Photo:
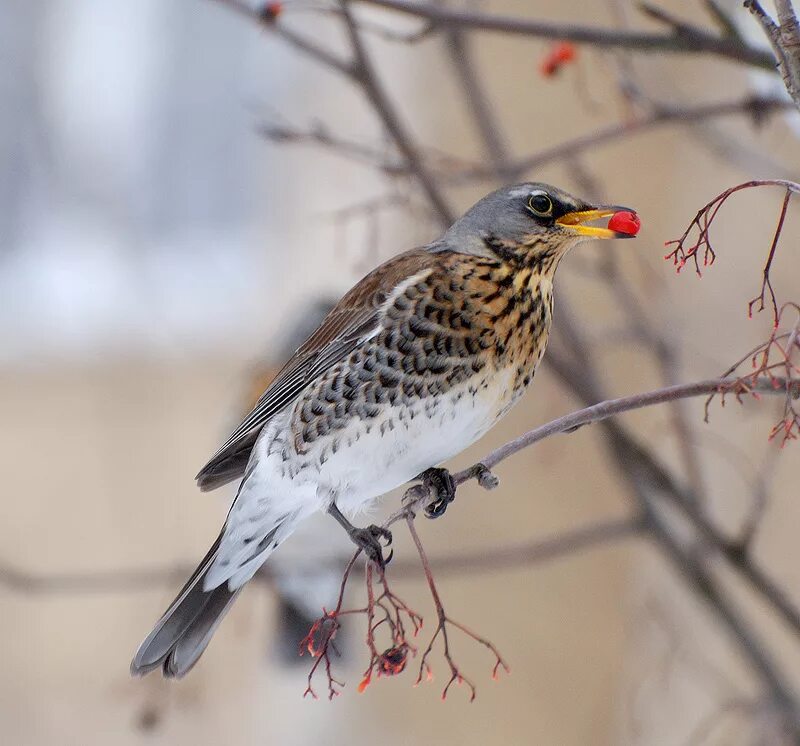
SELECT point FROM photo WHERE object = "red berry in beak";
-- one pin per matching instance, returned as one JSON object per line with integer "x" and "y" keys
{"x": 625, "y": 222}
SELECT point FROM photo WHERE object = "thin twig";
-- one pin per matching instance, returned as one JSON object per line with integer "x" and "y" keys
{"x": 766, "y": 282}
{"x": 441, "y": 629}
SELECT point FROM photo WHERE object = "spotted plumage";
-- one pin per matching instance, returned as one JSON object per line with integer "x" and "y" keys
{"x": 413, "y": 365}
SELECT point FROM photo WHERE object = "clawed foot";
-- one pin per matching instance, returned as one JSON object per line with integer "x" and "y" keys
{"x": 369, "y": 541}
{"x": 442, "y": 486}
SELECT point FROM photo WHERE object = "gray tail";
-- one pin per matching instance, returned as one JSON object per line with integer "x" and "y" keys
{"x": 182, "y": 634}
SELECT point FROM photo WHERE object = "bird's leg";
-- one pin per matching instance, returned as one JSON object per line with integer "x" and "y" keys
{"x": 367, "y": 539}
{"x": 442, "y": 486}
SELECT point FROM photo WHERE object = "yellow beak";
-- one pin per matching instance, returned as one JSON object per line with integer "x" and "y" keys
{"x": 574, "y": 221}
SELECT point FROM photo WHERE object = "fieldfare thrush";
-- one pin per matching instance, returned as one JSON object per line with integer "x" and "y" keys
{"x": 414, "y": 364}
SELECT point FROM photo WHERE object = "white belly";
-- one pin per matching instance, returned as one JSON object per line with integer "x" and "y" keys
{"x": 395, "y": 447}
{"x": 371, "y": 457}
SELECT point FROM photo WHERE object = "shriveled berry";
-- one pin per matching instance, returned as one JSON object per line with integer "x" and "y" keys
{"x": 393, "y": 660}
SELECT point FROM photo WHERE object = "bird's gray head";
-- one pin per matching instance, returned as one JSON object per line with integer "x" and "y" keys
{"x": 527, "y": 218}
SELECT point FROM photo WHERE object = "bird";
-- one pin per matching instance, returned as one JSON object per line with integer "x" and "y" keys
{"x": 414, "y": 364}
{"x": 299, "y": 592}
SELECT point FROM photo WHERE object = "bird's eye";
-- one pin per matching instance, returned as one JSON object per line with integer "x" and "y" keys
{"x": 540, "y": 204}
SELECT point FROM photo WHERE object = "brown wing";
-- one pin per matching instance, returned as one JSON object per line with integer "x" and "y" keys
{"x": 354, "y": 319}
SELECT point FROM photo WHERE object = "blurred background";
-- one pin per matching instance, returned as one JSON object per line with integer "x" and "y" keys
{"x": 162, "y": 250}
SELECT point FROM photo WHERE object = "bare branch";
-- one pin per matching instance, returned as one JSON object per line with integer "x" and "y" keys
{"x": 477, "y": 100}
{"x": 375, "y": 93}
{"x": 138, "y": 579}
{"x": 691, "y": 567}
{"x": 322, "y": 138}
{"x": 689, "y": 40}
{"x": 754, "y": 106}
{"x": 441, "y": 629}
{"x": 300, "y": 43}
{"x": 606, "y": 409}
{"x": 701, "y": 247}
{"x": 371, "y": 155}
{"x": 785, "y": 40}
{"x": 512, "y": 556}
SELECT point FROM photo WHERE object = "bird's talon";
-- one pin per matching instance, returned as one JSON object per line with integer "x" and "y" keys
{"x": 436, "y": 509}
{"x": 369, "y": 541}
{"x": 440, "y": 483}
{"x": 380, "y": 533}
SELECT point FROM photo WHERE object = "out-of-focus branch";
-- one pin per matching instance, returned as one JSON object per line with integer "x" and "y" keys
{"x": 784, "y": 37}
{"x": 319, "y": 136}
{"x": 477, "y": 101}
{"x": 754, "y": 106}
{"x": 373, "y": 89}
{"x": 360, "y": 71}
{"x": 510, "y": 557}
{"x": 646, "y": 477}
{"x": 455, "y": 171}
{"x": 692, "y": 567}
{"x": 667, "y": 355}
{"x": 302, "y": 44}
{"x": 370, "y": 155}
{"x": 689, "y": 39}
{"x": 130, "y": 580}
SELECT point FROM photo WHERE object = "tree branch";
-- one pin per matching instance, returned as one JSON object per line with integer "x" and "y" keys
{"x": 688, "y": 40}
{"x": 139, "y": 579}
{"x": 606, "y": 409}
{"x": 477, "y": 100}
{"x": 692, "y": 568}
{"x": 755, "y": 106}
{"x": 785, "y": 40}
{"x": 375, "y": 93}
{"x": 300, "y": 43}
{"x": 513, "y": 556}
